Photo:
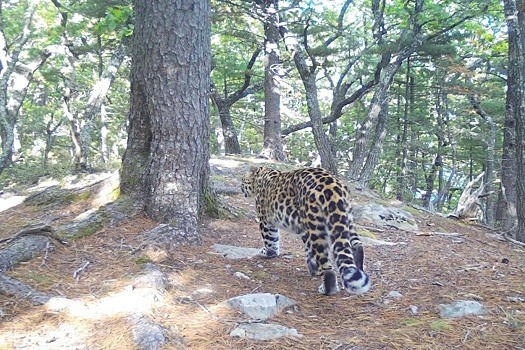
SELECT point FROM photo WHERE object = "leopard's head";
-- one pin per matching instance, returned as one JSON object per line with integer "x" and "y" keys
{"x": 248, "y": 182}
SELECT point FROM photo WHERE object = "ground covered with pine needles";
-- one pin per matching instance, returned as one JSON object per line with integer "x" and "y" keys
{"x": 426, "y": 269}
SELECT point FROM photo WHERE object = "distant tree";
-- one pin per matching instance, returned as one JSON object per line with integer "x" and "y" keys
{"x": 225, "y": 100}
{"x": 272, "y": 143}
{"x": 13, "y": 70}
{"x": 166, "y": 160}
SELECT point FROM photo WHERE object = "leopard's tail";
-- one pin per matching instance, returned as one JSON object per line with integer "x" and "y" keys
{"x": 354, "y": 281}
{"x": 350, "y": 264}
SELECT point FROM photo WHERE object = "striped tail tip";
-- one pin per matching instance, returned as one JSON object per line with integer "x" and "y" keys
{"x": 355, "y": 281}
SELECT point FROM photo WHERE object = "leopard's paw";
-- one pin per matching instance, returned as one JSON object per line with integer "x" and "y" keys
{"x": 329, "y": 285}
{"x": 313, "y": 268}
{"x": 269, "y": 253}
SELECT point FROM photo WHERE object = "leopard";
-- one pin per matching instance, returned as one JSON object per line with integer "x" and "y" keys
{"x": 314, "y": 204}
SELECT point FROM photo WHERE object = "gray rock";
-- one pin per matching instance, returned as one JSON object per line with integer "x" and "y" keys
{"x": 147, "y": 334}
{"x": 461, "y": 308}
{"x": 385, "y": 216}
{"x": 233, "y": 252}
{"x": 260, "y": 306}
{"x": 263, "y": 331}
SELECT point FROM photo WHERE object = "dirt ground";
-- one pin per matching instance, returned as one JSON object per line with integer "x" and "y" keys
{"x": 427, "y": 270}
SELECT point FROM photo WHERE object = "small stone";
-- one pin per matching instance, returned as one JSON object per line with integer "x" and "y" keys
{"x": 241, "y": 275}
{"x": 414, "y": 309}
{"x": 233, "y": 252}
{"x": 260, "y": 306}
{"x": 395, "y": 294}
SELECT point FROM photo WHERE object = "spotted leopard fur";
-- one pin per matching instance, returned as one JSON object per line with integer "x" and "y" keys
{"x": 314, "y": 204}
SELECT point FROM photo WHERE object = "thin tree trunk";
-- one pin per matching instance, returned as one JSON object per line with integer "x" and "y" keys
{"x": 272, "y": 144}
{"x": 308, "y": 77}
{"x": 402, "y": 171}
{"x": 364, "y": 134}
{"x": 94, "y": 105}
{"x": 489, "y": 162}
{"x": 224, "y": 104}
{"x": 10, "y": 106}
{"x": 375, "y": 150}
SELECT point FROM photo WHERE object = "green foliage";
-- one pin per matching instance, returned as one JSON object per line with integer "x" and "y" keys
{"x": 29, "y": 172}
{"x": 117, "y": 19}
{"x": 470, "y": 58}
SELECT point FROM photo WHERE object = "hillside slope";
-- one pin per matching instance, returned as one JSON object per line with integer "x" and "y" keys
{"x": 103, "y": 303}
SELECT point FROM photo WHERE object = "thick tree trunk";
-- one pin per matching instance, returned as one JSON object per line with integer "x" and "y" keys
{"x": 507, "y": 196}
{"x": 166, "y": 161}
{"x": 515, "y": 112}
{"x": 518, "y": 100}
{"x": 272, "y": 143}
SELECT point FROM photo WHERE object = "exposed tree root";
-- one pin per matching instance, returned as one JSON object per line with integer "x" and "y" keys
{"x": 12, "y": 287}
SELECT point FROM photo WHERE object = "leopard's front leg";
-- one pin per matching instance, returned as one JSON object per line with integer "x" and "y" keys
{"x": 270, "y": 235}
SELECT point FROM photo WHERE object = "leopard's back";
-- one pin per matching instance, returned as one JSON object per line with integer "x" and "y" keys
{"x": 316, "y": 205}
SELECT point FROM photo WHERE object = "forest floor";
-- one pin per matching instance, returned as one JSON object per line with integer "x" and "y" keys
{"x": 427, "y": 270}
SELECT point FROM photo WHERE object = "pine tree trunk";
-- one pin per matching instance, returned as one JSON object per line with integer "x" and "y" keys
{"x": 272, "y": 143}
{"x": 166, "y": 160}
{"x": 517, "y": 92}
{"x": 507, "y": 213}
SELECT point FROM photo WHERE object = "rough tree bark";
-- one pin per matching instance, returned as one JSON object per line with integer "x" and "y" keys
{"x": 512, "y": 194}
{"x": 166, "y": 160}
{"x": 517, "y": 69}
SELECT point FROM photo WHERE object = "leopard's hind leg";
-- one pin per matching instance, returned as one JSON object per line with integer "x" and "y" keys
{"x": 317, "y": 247}
{"x": 271, "y": 237}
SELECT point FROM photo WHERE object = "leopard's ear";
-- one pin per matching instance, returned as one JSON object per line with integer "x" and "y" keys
{"x": 255, "y": 169}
